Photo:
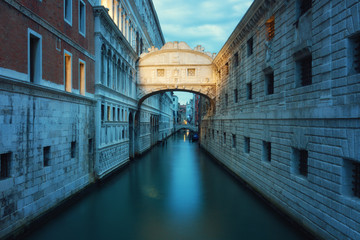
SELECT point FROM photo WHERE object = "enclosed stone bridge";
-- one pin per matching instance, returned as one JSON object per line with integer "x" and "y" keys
{"x": 176, "y": 67}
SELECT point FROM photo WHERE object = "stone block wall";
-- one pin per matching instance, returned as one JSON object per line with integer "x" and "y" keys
{"x": 47, "y": 138}
{"x": 298, "y": 145}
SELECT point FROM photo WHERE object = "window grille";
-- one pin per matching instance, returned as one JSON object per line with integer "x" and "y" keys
{"x": 236, "y": 59}
{"x": 270, "y": 24}
{"x": 356, "y": 178}
{"x": 191, "y": 72}
{"x": 306, "y": 71}
{"x": 160, "y": 72}
{"x": 246, "y": 144}
{"x": 303, "y": 162}
{"x": 357, "y": 54}
{"x": 250, "y": 46}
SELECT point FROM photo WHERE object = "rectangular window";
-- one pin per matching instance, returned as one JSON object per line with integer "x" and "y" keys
{"x": 191, "y": 72}
{"x": 226, "y": 99}
{"x": 225, "y": 138}
{"x": 236, "y": 59}
{"x": 90, "y": 148}
{"x": 351, "y": 177}
{"x": 234, "y": 141}
{"x": 73, "y": 149}
{"x": 68, "y": 11}
{"x": 160, "y": 72}
{"x": 235, "y": 95}
{"x": 82, "y": 77}
{"x": 5, "y": 165}
{"x": 250, "y": 46}
{"x": 114, "y": 112}
{"x": 266, "y": 151}
{"x": 270, "y": 27}
{"x": 304, "y": 71}
{"x": 82, "y": 17}
{"x": 68, "y": 72}
{"x": 246, "y": 144}
{"x": 102, "y": 112}
{"x": 34, "y": 57}
{"x": 304, "y": 6}
{"x": 46, "y": 156}
{"x": 355, "y": 54}
{"x": 249, "y": 90}
{"x": 269, "y": 83}
{"x": 300, "y": 162}
{"x": 226, "y": 69}
{"x": 108, "y": 113}
{"x": 118, "y": 114}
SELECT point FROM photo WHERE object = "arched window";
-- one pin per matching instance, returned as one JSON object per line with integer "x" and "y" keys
{"x": 113, "y": 79}
{"x": 126, "y": 75}
{"x": 103, "y": 64}
{"x": 130, "y": 82}
{"x": 122, "y": 78}
{"x": 108, "y": 68}
{"x": 118, "y": 69}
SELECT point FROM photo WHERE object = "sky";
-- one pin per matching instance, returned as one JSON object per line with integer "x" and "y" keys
{"x": 199, "y": 22}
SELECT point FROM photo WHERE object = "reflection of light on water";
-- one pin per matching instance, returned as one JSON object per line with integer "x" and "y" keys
{"x": 184, "y": 138}
{"x": 187, "y": 132}
{"x": 151, "y": 192}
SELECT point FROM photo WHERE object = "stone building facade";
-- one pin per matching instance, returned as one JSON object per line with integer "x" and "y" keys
{"x": 287, "y": 110}
{"x": 122, "y": 125}
{"x": 68, "y": 99}
{"x": 46, "y": 104}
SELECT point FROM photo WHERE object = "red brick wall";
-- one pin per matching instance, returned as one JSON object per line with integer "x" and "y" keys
{"x": 14, "y": 39}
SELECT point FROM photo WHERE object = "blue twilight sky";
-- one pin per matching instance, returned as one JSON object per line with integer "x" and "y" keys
{"x": 199, "y": 22}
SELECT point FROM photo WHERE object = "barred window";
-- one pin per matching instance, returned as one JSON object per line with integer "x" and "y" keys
{"x": 160, "y": 72}
{"x": 300, "y": 161}
{"x": 270, "y": 25}
{"x": 246, "y": 144}
{"x": 191, "y": 72}
{"x": 304, "y": 71}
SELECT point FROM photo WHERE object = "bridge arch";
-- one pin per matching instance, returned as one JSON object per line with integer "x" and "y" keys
{"x": 176, "y": 67}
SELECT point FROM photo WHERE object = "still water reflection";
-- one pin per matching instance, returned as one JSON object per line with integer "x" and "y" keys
{"x": 174, "y": 192}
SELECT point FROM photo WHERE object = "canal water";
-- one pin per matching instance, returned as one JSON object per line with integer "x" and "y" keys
{"x": 173, "y": 192}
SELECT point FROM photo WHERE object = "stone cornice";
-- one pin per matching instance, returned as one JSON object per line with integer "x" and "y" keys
{"x": 157, "y": 20}
{"x": 28, "y": 13}
{"x": 100, "y": 11}
{"x": 37, "y": 90}
{"x": 247, "y": 23}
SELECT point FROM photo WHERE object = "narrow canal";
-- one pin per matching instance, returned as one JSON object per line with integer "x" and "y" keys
{"x": 173, "y": 192}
